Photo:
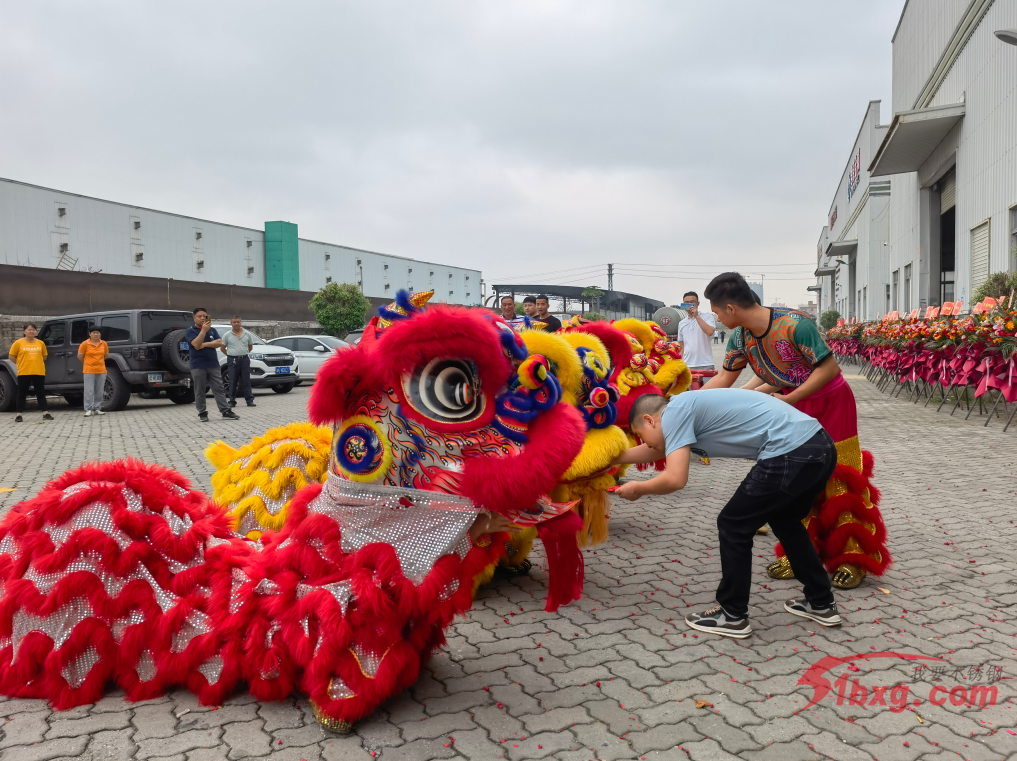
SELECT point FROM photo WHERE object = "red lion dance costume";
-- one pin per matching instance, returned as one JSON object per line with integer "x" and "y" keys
{"x": 121, "y": 572}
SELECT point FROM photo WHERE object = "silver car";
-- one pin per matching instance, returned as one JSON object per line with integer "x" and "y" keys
{"x": 271, "y": 366}
{"x": 310, "y": 351}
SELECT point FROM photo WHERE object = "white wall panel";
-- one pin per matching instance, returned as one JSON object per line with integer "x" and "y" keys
{"x": 101, "y": 235}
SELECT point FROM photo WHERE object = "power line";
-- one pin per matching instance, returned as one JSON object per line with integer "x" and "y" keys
{"x": 562, "y": 272}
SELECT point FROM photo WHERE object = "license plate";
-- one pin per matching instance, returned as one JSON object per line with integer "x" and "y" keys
{"x": 282, "y": 371}
{"x": 184, "y": 346}
{"x": 155, "y": 377}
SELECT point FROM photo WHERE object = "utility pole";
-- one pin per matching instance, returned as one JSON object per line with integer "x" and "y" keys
{"x": 610, "y": 277}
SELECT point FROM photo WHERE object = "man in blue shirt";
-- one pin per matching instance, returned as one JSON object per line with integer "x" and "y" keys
{"x": 794, "y": 458}
{"x": 205, "y": 372}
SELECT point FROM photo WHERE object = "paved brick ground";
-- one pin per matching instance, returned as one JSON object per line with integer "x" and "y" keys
{"x": 617, "y": 675}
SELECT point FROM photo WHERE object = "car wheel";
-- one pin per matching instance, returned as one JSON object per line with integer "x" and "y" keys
{"x": 75, "y": 400}
{"x": 284, "y": 388}
{"x": 8, "y": 392}
{"x": 172, "y": 355}
{"x": 116, "y": 393}
{"x": 181, "y": 395}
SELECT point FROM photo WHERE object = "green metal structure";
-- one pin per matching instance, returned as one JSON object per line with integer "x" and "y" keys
{"x": 282, "y": 256}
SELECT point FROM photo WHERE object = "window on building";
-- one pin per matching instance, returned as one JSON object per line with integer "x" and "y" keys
{"x": 1013, "y": 231}
{"x": 895, "y": 291}
{"x": 886, "y": 305}
{"x": 865, "y": 303}
{"x": 858, "y": 305}
{"x": 907, "y": 288}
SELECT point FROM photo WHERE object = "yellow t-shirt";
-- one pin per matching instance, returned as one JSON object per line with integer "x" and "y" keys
{"x": 29, "y": 356}
{"x": 95, "y": 357}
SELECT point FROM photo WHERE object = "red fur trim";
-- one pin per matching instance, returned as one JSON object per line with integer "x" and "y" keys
{"x": 614, "y": 341}
{"x": 336, "y": 379}
{"x": 502, "y": 484}
{"x": 443, "y": 330}
{"x": 564, "y": 559}
{"x": 834, "y": 554}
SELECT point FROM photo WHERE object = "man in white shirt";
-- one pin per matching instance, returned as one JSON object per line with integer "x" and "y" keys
{"x": 694, "y": 333}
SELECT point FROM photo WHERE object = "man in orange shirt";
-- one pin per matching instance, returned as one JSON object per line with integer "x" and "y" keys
{"x": 92, "y": 354}
{"x": 30, "y": 355}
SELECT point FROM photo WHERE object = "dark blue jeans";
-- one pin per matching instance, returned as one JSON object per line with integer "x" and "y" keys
{"x": 779, "y": 491}
{"x": 240, "y": 377}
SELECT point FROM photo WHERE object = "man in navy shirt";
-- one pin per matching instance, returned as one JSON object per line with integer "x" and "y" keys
{"x": 794, "y": 459}
{"x": 205, "y": 372}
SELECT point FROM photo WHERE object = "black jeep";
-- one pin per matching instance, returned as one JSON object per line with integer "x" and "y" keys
{"x": 147, "y": 355}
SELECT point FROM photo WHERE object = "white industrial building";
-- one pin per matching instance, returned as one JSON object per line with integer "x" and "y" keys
{"x": 926, "y": 207}
{"x": 41, "y": 227}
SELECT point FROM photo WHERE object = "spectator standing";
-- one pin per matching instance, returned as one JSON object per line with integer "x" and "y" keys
{"x": 530, "y": 307}
{"x": 205, "y": 372}
{"x": 92, "y": 354}
{"x": 508, "y": 308}
{"x": 694, "y": 334}
{"x": 508, "y": 313}
{"x": 237, "y": 345}
{"x": 553, "y": 324}
{"x": 29, "y": 353}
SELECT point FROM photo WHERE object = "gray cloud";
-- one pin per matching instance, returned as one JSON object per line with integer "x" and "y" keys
{"x": 522, "y": 136}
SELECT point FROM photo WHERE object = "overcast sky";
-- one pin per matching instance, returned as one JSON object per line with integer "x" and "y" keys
{"x": 516, "y": 137}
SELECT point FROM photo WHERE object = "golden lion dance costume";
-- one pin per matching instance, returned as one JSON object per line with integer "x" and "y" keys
{"x": 845, "y": 525}
{"x": 121, "y": 572}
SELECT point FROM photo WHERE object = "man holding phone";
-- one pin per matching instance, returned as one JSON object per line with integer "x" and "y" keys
{"x": 205, "y": 372}
{"x": 694, "y": 333}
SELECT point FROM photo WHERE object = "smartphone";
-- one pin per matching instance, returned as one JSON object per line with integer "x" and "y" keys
{"x": 686, "y": 306}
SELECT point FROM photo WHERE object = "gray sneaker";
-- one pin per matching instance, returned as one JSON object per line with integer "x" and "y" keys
{"x": 716, "y": 621}
{"x": 823, "y": 616}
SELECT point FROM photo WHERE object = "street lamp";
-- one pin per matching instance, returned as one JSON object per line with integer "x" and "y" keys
{"x": 1008, "y": 36}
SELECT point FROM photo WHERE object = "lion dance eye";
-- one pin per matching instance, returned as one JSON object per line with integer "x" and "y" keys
{"x": 446, "y": 390}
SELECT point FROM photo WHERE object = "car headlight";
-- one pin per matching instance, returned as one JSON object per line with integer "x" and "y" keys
{"x": 258, "y": 356}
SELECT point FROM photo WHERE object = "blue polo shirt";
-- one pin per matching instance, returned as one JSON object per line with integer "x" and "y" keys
{"x": 203, "y": 358}
{"x": 732, "y": 422}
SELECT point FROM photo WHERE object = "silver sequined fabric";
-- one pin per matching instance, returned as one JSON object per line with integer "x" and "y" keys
{"x": 338, "y": 689}
{"x": 98, "y": 516}
{"x": 145, "y": 666}
{"x": 196, "y": 624}
{"x": 120, "y": 625}
{"x": 76, "y": 670}
{"x": 175, "y": 566}
{"x": 179, "y": 526}
{"x": 266, "y": 587}
{"x": 369, "y": 662}
{"x": 421, "y": 526}
{"x": 273, "y": 629}
{"x": 57, "y": 627}
{"x": 212, "y": 669}
{"x": 236, "y": 600}
{"x": 133, "y": 500}
{"x": 113, "y": 584}
{"x": 342, "y": 591}
{"x": 9, "y": 546}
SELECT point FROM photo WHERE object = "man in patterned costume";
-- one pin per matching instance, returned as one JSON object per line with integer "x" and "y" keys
{"x": 784, "y": 349}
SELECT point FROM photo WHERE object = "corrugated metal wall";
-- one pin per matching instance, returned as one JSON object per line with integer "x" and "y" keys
{"x": 984, "y": 144}
{"x": 108, "y": 236}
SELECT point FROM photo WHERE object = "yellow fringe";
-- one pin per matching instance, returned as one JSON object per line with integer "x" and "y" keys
{"x": 600, "y": 446}
{"x": 674, "y": 377}
{"x": 257, "y": 466}
{"x": 568, "y": 367}
{"x": 640, "y": 330}
{"x": 594, "y": 508}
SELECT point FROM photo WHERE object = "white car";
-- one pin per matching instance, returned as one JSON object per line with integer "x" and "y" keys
{"x": 271, "y": 366}
{"x": 310, "y": 351}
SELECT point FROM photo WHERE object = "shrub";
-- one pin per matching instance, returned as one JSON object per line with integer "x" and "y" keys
{"x": 340, "y": 308}
{"x": 998, "y": 284}
{"x": 829, "y": 319}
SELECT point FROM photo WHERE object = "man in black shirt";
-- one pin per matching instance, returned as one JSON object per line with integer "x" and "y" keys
{"x": 553, "y": 324}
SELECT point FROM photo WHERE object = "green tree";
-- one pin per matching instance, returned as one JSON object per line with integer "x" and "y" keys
{"x": 340, "y": 308}
{"x": 592, "y": 294}
{"x": 996, "y": 285}
{"x": 594, "y": 317}
{"x": 829, "y": 319}
{"x": 519, "y": 310}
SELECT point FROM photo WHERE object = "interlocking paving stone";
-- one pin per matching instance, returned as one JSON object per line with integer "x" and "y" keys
{"x": 627, "y": 633}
